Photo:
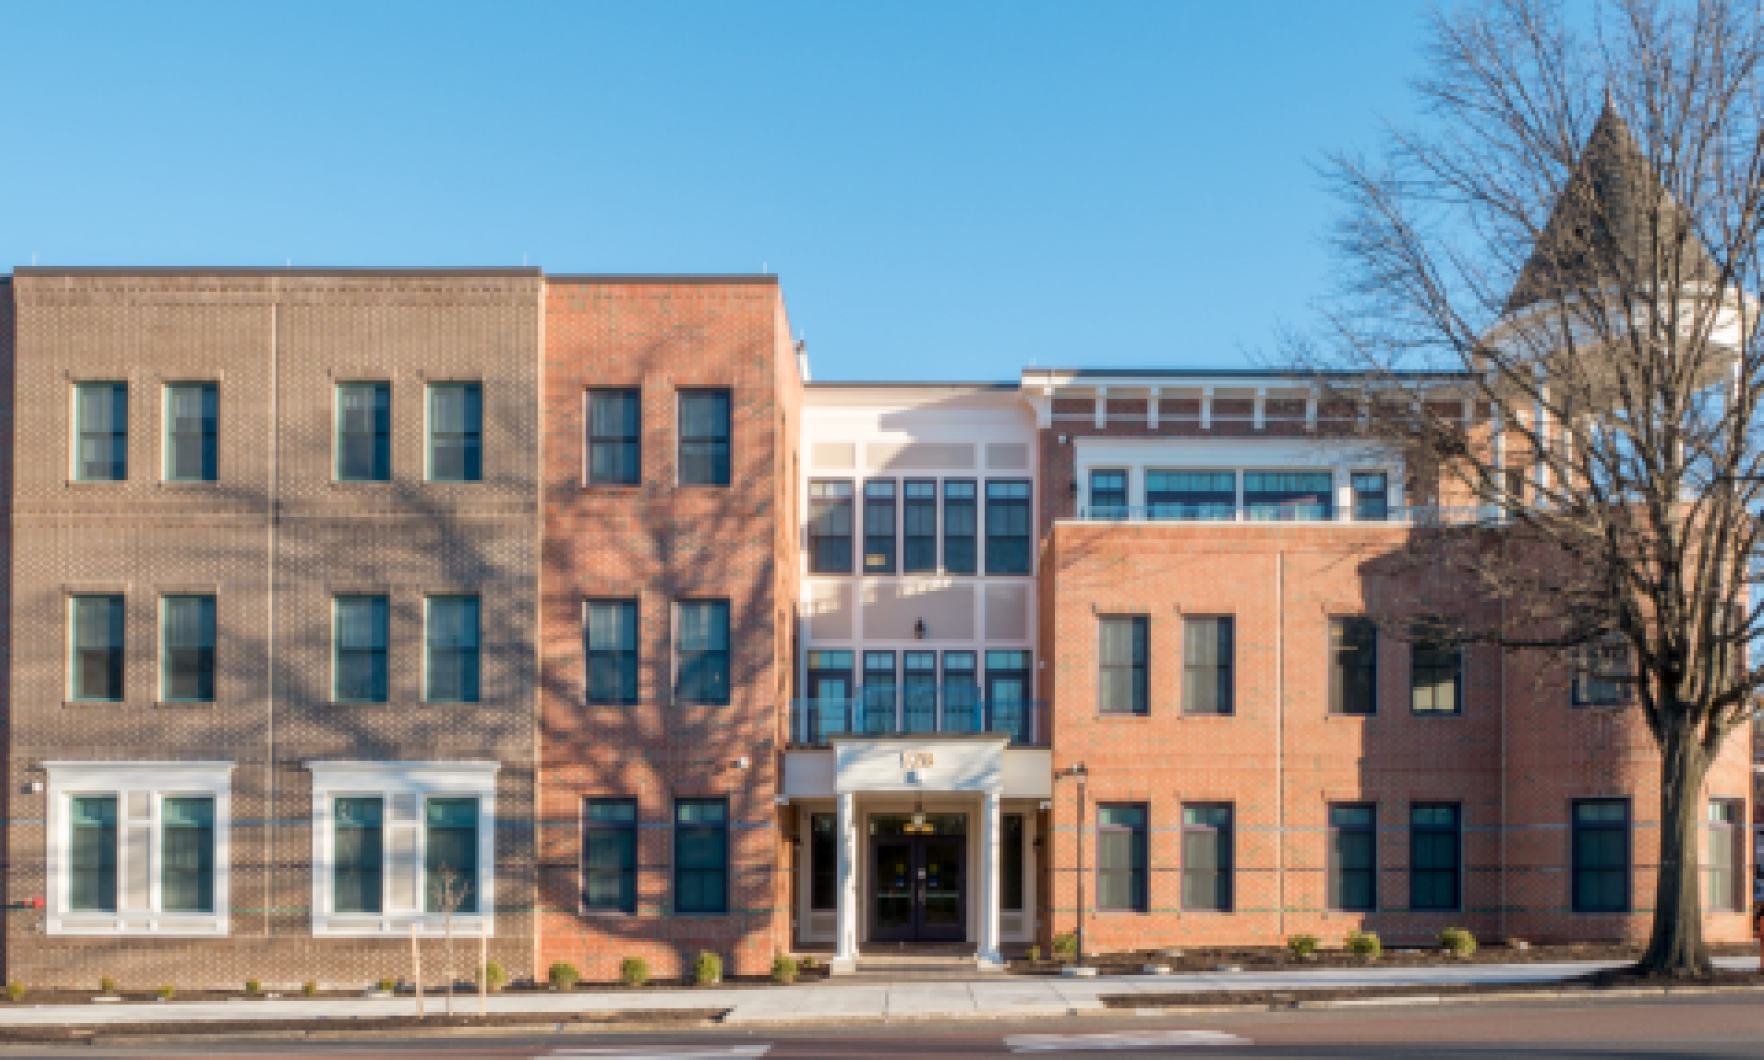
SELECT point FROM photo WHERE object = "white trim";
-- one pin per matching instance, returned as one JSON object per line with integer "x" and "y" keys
{"x": 418, "y": 780}
{"x": 118, "y": 780}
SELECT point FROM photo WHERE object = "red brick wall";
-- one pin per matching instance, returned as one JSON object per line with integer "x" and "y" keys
{"x": 658, "y": 542}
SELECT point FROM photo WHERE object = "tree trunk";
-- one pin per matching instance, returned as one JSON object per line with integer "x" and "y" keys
{"x": 1677, "y": 947}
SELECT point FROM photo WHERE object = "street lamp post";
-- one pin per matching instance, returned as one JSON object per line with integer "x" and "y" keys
{"x": 1081, "y": 774}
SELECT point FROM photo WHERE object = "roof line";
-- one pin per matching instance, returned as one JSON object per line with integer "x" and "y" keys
{"x": 662, "y": 277}
{"x": 269, "y": 270}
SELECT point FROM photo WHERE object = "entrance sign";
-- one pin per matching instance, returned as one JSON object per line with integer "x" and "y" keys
{"x": 917, "y": 759}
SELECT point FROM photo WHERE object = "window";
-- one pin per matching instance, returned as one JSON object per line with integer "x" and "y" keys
{"x": 1122, "y": 687}
{"x": 879, "y": 703}
{"x": 1726, "y": 855}
{"x": 1008, "y": 676}
{"x": 703, "y": 664}
{"x": 357, "y": 874}
{"x": 960, "y": 528}
{"x": 1599, "y": 674}
{"x": 919, "y": 692}
{"x": 1435, "y": 843}
{"x": 451, "y": 674}
{"x": 1436, "y": 676}
{"x": 364, "y": 432}
{"x": 1353, "y": 666}
{"x": 456, "y": 432}
{"x": 609, "y": 856}
{"x": 961, "y": 693}
{"x": 1206, "y": 858}
{"x": 920, "y": 527}
{"x": 186, "y": 847}
{"x": 1288, "y": 495}
{"x": 1371, "y": 496}
{"x": 704, "y": 437}
{"x": 190, "y": 430}
{"x": 823, "y": 862}
{"x": 1191, "y": 494}
{"x": 830, "y": 527}
{"x": 450, "y": 855}
{"x": 1010, "y": 862}
{"x": 1108, "y": 494}
{"x": 186, "y": 659}
{"x": 101, "y": 412}
{"x": 1121, "y": 858}
{"x": 97, "y": 648}
{"x": 615, "y": 451}
{"x": 1601, "y": 856}
{"x": 1207, "y": 666}
{"x": 92, "y": 854}
{"x": 879, "y": 527}
{"x": 359, "y": 667}
{"x": 1353, "y": 857}
{"x": 612, "y": 651}
{"x": 701, "y": 856}
{"x": 1007, "y": 528}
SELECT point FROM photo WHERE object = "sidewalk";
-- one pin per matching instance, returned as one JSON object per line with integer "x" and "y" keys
{"x": 825, "y": 1002}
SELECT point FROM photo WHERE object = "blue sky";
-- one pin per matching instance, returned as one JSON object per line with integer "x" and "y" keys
{"x": 949, "y": 190}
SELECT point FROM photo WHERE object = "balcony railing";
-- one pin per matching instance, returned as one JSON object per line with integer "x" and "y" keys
{"x": 1407, "y": 515}
{"x": 927, "y": 711}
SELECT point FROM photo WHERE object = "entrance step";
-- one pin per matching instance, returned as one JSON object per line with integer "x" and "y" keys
{"x": 914, "y": 962}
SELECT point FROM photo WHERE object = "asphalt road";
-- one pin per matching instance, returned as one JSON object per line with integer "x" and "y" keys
{"x": 1731, "y": 1026}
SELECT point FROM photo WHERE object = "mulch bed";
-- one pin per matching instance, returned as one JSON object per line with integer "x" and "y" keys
{"x": 1278, "y": 958}
{"x": 1592, "y": 984}
{"x": 351, "y": 1024}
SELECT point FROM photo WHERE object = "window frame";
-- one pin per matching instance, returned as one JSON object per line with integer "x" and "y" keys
{"x": 381, "y": 435}
{"x": 384, "y": 650}
{"x": 166, "y": 649}
{"x": 1574, "y": 866}
{"x": 1226, "y": 838}
{"x": 1733, "y": 833}
{"x": 592, "y": 438}
{"x": 1003, "y": 506}
{"x": 826, "y": 507}
{"x": 471, "y": 439}
{"x": 909, "y": 505}
{"x": 630, "y": 832}
{"x": 1137, "y": 668}
{"x": 1419, "y": 644}
{"x": 208, "y": 439}
{"x": 1365, "y": 501}
{"x": 1335, "y": 887}
{"x": 80, "y": 431}
{"x": 1587, "y": 673}
{"x": 1227, "y": 624}
{"x": 475, "y": 652}
{"x": 681, "y": 828}
{"x": 879, "y": 503}
{"x": 1456, "y": 831}
{"x": 971, "y": 505}
{"x": 632, "y": 657}
{"x": 1337, "y": 682}
{"x": 1099, "y": 510}
{"x": 337, "y": 861}
{"x": 1139, "y": 843}
{"x": 119, "y": 663}
{"x": 682, "y": 439}
{"x": 727, "y": 652}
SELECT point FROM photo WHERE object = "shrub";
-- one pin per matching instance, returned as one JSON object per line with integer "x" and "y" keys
{"x": 708, "y": 968}
{"x": 564, "y": 975}
{"x": 1458, "y": 940}
{"x": 1364, "y": 943}
{"x": 1065, "y": 945}
{"x": 1300, "y": 945}
{"x": 252, "y": 986}
{"x": 492, "y": 976}
{"x": 808, "y": 960}
{"x": 388, "y": 984}
{"x": 107, "y": 986}
{"x": 634, "y": 971}
{"x": 784, "y": 969}
{"x": 1035, "y": 953}
{"x": 309, "y": 988}
{"x": 168, "y": 991}
{"x": 15, "y": 990}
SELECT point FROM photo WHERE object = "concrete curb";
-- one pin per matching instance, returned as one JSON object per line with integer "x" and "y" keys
{"x": 1616, "y": 993}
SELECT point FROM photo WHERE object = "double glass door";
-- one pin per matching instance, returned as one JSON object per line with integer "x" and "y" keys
{"x": 919, "y": 887}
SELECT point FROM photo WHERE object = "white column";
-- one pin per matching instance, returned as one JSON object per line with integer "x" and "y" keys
{"x": 988, "y": 955}
{"x": 846, "y": 954}
{"x": 1344, "y": 494}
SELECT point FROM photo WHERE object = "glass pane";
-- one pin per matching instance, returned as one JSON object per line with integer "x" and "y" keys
{"x": 360, "y": 854}
{"x": 187, "y": 855}
{"x": 92, "y": 853}
{"x": 450, "y": 858}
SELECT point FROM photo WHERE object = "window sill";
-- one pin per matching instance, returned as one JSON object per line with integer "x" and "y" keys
{"x": 137, "y": 923}
{"x": 351, "y": 703}
{"x": 191, "y": 483}
{"x": 346, "y": 484}
{"x": 609, "y": 914}
{"x": 184, "y": 704}
{"x": 86, "y": 704}
{"x": 399, "y": 925}
{"x": 612, "y": 487}
{"x": 94, "y": 483}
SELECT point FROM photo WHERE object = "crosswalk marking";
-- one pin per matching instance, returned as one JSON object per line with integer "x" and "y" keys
{"x": 637, "y": 1051}
{"x": 1067, "y": 1043}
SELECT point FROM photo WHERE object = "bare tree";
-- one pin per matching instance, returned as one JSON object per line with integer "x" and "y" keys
{"x": 1547, "y": 283}
{"x": 451, "y": 889}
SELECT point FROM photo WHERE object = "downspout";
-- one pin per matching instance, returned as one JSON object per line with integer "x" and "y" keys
{"x": 1280, "y": 733}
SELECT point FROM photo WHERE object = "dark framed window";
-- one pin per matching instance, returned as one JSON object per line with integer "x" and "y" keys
{"x": 456, "y": 432}
{"x": 823, "y": 861}
{"x": 1353, "y": 666}
{"x": 919, "y": 527}
{"x": 704, "y": 437}
{"x": 1121, "y": 682}
{"x": 96, "y": 645}
{"x": 701, "y": 856}
{"x": 1601, "y": 856}
{"x": 186, "y": 657}
{"x": 611, "y": 627}
{"x": 1207, "y": 665}
{"x": 609, "y": 855}
{"x": 1371, "y": 496}
{"x": 1353, "y": 857}
{"x": 451, "y": 639}
{"x": 1121, "y": 857}
{"x": 186, "y": 854}
{"x": 615, "y": 446}
{"x": 961, "y": 527}
{"x": 830, "y": 525}
{"x": 919, "y": 692}
{"x": 1206, "y": 857}
{"x": 961, "y": 693}
{"x": 191, "y": 430}
{"x": 364, "y": 432}
{"x": 1209, "y": 495}
{"x": 1727, "y": 854}
{"x": 359, "y": 838}
{"x": 1108, "y": 495}
{"x": 450, "y": 855}
{"x": 1007, "y": 527}
{"x": 101, "y": 432}
{"x": 1009, "y": 693}
{"x": 359, "y": 660}
{"x": 1010, "y": 862}
{"x": 1436, "y": 676}
{"x": 1299, "y": 496}
{"x": 91, "y": 886}
{"x": 1600, "y": 672}
{"x": 702, "y": 668}
{"x": 1435, "y": 855}
{"x": 881, "y": 692}
{"x": 879, "y": 537}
